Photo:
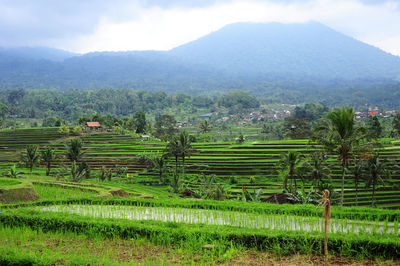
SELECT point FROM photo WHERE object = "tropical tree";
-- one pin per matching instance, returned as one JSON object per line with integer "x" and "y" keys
{"x": 317, "y": 169}
{"x": 172, "y": 149}
{"x": 159, "y": 162}
{"x": 13, "y": 172}
{"x": 48, "y": 155}
{"x": 139, "y": 120}
{"x": 74, "y": 150}
{"x": 184, "y": 148}
{"x": 291, "y": 162}
{"x": 396, "y": 124}
{"x": 76, "y": 174}
{"x": 31, "y": 156}
{"x": 165, "y": 127}
{"x": 378, "y": 171}
{"x": 205, "y": 127}
{"x": 358, "y": 172}
{"x": 241, "y": 139}
{"x": 340, "y": 135}
{"x": 374, "y": 127}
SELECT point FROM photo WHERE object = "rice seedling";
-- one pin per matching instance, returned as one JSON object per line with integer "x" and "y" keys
{"x": 230, "y": 218}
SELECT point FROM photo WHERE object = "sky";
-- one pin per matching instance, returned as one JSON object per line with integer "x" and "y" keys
{"x": 119, "y": 25}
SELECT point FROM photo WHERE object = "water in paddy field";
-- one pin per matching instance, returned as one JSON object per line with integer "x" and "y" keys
{"x": 212, "y": 217}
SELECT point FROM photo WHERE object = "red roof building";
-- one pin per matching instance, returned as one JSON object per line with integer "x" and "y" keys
{"x": 93, "y": 124}
{"x": 372, "y": 113}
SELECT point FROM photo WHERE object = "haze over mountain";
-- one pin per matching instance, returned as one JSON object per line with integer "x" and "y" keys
{"x": 251, "y": 56}
{"x": 38, "y": 53}
{"x": 309, "y": 49}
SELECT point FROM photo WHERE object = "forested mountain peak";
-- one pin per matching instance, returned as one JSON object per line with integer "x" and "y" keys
{"x": 307, "y": 49}
{"x": 259, "y": 57}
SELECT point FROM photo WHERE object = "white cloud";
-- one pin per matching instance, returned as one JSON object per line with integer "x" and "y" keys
{"x": 161, "y": 27}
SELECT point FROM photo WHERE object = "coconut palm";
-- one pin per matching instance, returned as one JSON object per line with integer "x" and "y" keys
{"x": 31, "y": 156}
{"x": 159, "y": 162}
{"x": 358, "y": 173}
{"x": 340, "y": 135}
{"x": 291, "y": 162}
{"x": 317, "y": 169}
{"x": 172, "y": 149}
{"x": 185, "y": 149}
{"x": 74, "y": 150}
{"x": 48, "y": 156}
{"x": 205, "y": 127}
{"x": 378, "y": 171}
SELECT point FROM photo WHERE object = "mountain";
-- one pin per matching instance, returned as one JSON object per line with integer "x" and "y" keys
{"x": 303, "y": 49}
{"x": 36, "y": 53}
{"x": 255, "y": 56}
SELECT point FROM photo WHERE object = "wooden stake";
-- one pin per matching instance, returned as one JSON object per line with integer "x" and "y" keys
{"x": 327, "y": 215}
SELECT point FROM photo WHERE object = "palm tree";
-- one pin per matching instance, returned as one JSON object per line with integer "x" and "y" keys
{"x": 205, "y": 127}
{"x": 184, "y": 148}
{"x": 357, "y": 171}
{"x": 173, "y": 150}
{"x": 74, "y": 150}
{"x": 31, "y": 156}
{"x": 378, "y": 171}
{"x": 76, "y": 174}
{"x": 318, "y": 169}
{"x": 159, "y": 162}
{"x": 48, "y": 155}
{"x": 339, "y": 134}
{"x": 291, "y": 162}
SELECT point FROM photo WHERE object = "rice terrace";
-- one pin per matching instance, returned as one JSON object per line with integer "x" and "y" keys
{"x": 223, "y": 132}
{"x": 218, "y": 214}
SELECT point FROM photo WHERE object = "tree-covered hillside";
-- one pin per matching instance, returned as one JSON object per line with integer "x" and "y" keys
{"x": 261, "y": 58}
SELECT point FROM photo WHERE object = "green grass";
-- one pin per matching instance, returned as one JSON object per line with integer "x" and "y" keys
{"x": 8, "y": 182}
{"x": 24, "y": 245}
{"x": 59, "y": 193}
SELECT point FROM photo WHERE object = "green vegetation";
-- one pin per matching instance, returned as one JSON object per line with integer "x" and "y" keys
{"x": 189, "y": 195}
{"x": 8, "y": 182}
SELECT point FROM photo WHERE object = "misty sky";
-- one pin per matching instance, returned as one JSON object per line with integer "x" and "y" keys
{"x": 114, "y": 25}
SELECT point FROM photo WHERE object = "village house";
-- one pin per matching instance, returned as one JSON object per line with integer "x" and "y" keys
{"x": 92, "y": 126}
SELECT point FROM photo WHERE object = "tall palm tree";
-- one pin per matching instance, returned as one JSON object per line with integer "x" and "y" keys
{"x": 358, "y": 173}
{"x": 74, "y": 150}
{"x": 291, "y": 162}
{"x": 378, "y": 171}
{"x": 31, "y": 156}
{"x": 340, "y": 135}
{"x": 185, "y": 149}
{"x": 172, "y": 149}
{"x": 48, "y": 155}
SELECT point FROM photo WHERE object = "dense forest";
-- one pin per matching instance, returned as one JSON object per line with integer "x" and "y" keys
{"x": 69, "y": 105}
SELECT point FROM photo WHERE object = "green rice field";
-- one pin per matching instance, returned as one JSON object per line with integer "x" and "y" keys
{"x": 135, "y": 219}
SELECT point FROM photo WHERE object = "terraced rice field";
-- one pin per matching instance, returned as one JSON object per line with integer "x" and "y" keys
{"x": 238, "y": 219}
{"x": 14, "y": 140}
{"x": 224, "y": 159}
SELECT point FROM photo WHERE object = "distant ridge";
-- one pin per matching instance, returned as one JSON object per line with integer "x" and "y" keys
{"x": 37, "y": 53}
{"x": 253, "y": 56}
{"x": 308, "y": 49}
